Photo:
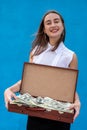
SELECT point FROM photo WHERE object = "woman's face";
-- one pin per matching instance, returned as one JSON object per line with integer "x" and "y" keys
{"x": 53, "y": 26}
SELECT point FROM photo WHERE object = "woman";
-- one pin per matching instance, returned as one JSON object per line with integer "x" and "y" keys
{"x": 49, "y": 49}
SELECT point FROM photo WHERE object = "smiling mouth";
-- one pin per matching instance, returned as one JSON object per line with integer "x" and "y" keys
{"x": 54, "y": 30}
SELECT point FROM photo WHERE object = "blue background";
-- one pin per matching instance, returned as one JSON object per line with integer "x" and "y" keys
{"x": 19, "y": 20}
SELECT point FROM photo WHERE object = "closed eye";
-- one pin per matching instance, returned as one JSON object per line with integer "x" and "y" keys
{"x": 48, "y": 22}
{"x": 56, "y": 20}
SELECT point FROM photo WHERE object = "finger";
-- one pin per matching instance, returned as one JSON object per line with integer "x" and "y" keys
{"x": 11, "y": 97}
{"x": 6, "y": 101}
{"x": 72, "y": 106}
{"x": 76, "y": 114}
{"x": 14, "y": 96}
{"x": 6, "y": 105}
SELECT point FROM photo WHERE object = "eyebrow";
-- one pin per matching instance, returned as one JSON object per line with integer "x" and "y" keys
{"x": 53, "y": 19}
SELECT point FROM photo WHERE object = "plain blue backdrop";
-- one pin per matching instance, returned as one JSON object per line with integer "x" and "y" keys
{"x": 19, "y": 20}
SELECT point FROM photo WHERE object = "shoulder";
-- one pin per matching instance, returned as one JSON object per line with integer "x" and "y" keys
{"x": 31, "y": 57}
{"x": 32, "y": 54}
{"x": 67, "y": 50}
{"x": 72, "y": 58}
{"x": 74, "y": 62}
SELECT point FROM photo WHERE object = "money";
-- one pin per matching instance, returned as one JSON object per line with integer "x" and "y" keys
{"x": 46, "y": 103}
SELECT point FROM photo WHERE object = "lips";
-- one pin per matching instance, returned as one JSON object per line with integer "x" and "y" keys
{"x": 54, "y": 30}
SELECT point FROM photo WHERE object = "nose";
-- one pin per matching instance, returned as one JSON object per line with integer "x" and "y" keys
{"x": 52, "y": 24}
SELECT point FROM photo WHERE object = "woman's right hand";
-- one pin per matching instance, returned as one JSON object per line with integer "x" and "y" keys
{"x": 10, "y": 92}
{"x": 8, "y": 95}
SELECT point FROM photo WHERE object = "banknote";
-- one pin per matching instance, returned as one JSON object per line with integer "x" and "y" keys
{"x": 43, "y": 102}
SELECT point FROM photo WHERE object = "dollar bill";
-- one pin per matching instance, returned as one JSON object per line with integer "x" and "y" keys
{"x": 46, "y": 103}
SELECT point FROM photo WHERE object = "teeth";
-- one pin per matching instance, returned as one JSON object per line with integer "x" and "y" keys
{"x": 54, "y": 30}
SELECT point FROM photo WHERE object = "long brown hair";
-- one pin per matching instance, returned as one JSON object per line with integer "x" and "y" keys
{"x": 42, "y": 39}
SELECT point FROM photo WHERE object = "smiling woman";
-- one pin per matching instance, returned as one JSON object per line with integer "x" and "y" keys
{"x": 49, "y": 49}
{"x": 53, "y": 27}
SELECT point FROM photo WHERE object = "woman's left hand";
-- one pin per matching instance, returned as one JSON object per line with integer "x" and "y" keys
{"x": 76, "y": 105}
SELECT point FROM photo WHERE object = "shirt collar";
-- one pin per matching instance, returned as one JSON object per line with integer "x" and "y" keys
{"x": 59, "y": 48}
{"x": 50, "y": 46}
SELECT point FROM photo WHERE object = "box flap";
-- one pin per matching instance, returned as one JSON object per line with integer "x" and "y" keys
{"x": 55, "y": 82}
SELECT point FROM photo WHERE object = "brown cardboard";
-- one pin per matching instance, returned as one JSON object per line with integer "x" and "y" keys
{"x": 55, "y": 82}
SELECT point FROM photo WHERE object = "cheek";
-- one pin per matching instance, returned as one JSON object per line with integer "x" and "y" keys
{"x": 61, "y": 28}
{"x": 46, "y": 30}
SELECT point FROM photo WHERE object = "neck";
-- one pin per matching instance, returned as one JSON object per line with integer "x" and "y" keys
{"x": 53, "y": 41}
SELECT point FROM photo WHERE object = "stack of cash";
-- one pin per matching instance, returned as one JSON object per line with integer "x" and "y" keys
{"x": 46, "y": 103}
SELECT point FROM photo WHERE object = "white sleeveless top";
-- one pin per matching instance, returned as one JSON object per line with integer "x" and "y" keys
{"x": 61, "y": 57}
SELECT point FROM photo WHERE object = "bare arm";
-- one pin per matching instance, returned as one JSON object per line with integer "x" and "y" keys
{"x": 15, "y": 87}
{"x": 10, "y": 92}
{"x": 76, "y": 105}
{"x": 74, "y": 62}
{"x": 31, "y": 57}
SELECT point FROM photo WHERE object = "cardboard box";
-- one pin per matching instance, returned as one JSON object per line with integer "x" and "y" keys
{"x": 47, "y": 81}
